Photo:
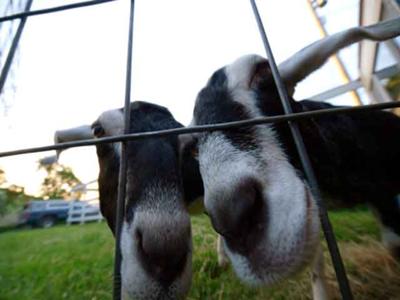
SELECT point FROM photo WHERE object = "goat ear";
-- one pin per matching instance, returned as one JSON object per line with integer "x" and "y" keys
{"x": 312, "y": 57}
{"x": 83, "y": 132}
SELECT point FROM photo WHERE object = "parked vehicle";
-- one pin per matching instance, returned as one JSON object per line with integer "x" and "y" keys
{"x": 44, "y": 213}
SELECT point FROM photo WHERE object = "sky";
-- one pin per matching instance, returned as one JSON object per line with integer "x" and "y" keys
{"x": 72, "y": 65}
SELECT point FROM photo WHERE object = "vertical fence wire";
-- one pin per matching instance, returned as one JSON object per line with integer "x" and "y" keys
{"x": 13, "y": 48}
{"x": 306, "y": 164}
{"x": 123, "y": 162}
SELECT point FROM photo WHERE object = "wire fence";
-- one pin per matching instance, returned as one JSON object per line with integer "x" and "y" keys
{"x": 289, "y": 117}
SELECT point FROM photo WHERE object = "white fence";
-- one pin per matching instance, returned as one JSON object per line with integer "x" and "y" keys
{"x": 84, "y": 211}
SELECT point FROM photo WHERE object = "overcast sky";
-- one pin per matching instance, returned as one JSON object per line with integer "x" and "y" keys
{"x": 72, "y": 65}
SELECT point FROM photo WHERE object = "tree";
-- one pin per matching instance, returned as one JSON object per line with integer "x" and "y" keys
{"x": 3, "y": 198}
{"x": 12, "y": 197}
{"x": 59, "y": 182}
{"x": 2, "y": 177}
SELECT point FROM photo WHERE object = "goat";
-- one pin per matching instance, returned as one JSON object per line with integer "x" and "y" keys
{"x": 255, "y": 191}
{"x": 156, "y": 235}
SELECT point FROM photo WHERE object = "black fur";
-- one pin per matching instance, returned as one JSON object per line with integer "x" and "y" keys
{"x": 355, "y": 156}
{"x": 149, "y": 161}
{"x": 108, "y": 182}
{"x": 192, "y": 182}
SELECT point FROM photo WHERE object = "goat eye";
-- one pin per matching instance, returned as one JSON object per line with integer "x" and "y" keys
{"x": 97, "y": 130}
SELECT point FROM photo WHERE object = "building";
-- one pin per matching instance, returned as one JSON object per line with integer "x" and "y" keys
{"x": 371, "y": 71}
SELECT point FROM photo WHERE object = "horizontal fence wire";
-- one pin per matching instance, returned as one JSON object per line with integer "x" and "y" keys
{"x": 122, "y": 176}
{"x": 326, "y": 225}
{"x": 53, "y": 9}
{"x": 205, "y": 128}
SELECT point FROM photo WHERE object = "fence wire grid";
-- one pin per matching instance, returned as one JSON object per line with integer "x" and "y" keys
{"x": 289, "y": 117}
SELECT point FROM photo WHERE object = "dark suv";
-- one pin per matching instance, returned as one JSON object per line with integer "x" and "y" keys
{"x": 44, "y": 214}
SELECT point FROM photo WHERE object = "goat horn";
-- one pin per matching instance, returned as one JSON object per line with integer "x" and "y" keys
{"x": 83, "y": 132}
{"x": 310, "y": 58}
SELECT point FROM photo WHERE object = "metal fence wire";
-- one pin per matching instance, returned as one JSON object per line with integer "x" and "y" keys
{"x": 289, "y": 117}
{"x": 306, "y": 164}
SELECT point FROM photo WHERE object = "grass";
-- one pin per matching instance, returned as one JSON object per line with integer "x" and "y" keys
{"x": 75, "y": 262}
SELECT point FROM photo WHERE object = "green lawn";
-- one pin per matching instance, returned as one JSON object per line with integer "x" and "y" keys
{"x": 75, "y": 262}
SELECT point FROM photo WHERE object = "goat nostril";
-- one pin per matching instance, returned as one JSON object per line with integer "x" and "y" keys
{"x": 162, "y": 256}
{"x": 242, "y": 217}
{"x": 248, "y": 194}
{"x": 239, "y": 214}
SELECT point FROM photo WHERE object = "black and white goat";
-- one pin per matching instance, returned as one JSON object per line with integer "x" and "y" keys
{"x": 156, "y": 235}
{"x": 255, "y": 192}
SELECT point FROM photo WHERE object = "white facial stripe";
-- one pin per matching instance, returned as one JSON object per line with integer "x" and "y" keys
{"x": 112, "y": 122}
{"x": 238, "y": 75}
{"x": 240, "y": 71}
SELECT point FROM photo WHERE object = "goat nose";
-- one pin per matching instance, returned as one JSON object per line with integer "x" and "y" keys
{"x": 163, "y": 252}
{"x": 235, "y": 214}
